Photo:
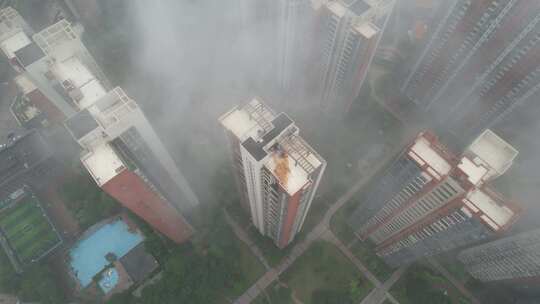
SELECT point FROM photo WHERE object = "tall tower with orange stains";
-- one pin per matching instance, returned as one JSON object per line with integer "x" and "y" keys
{"x": 277, "y": 172}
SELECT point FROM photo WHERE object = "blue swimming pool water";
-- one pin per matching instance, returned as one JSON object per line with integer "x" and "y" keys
{"x": 88, "y": 256}
{"x": 109, "y": 280}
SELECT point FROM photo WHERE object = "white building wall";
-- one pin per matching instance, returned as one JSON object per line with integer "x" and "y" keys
{"x": 314, "y": 189}
{"x": 252, "y": 173}
{"x": 291, "y": 27}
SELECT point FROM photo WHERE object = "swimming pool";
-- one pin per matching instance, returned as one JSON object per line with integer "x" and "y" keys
{"x": 88, "y": 256}
{"x": 109, "y": 280}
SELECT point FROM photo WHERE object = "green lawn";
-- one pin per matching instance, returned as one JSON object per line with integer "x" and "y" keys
{"x": 324, "y": 272}
{"x": 27, "y": 229}
{"x": 250, "y": 268}
{"x": 7, "y": 274}
{"x": 422, "y": 285}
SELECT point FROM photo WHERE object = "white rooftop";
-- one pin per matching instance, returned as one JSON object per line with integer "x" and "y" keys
{"x": 10, "y": 21}
{"x": 73, "y": 70}
{"x": 103, "y": 163}
{"x": 241, "y": 124}
{"x": 24, "y": 84}
{"x": 56, "y": 39}
{"x": 317, "y": 4}
{"x": 296, "y": 179}
{"x": 423, "y": 149}
{"x": 367, "y": 29}
{"x": 92, "y": 91}
{"x": 14, "y": 43}
{"x": 476, "y": 173}
{"x": 337, "y": 8}
{"x": 113, "y": 108}
{"x": 251, "y": 120}
{"x": 492, "y": 151}
{"x": 495, "y": 215}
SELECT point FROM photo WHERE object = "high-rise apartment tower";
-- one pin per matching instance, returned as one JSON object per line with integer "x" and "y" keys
{"x": 511, "y": 258}
{"x": 121, "y": 150}
{"x": 277, "y": 172}
{"x": 293, "y": 21}
{"x": 428, "y": 201}
{"x": 480, "y": 62}
{"x": 127, "y": 160}
{"x": 17, "y": 46}
{"x": 350, "y": 31}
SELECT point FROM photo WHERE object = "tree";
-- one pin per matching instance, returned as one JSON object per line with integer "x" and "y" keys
{"x": 420, "y": 289}
{"x": 121, "y": 298}
{"x": 200, "y": 274}
{"x": 355, "y": 291}
{"x": 88, "y": 203}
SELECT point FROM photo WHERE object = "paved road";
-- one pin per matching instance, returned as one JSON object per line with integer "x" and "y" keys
{"x": 244, "y": 237}
{"x": 7, "y": 122}
{"x": 329, "y": 236}
{"x": 379, "y": 294}
{"x": 453, "y": 280}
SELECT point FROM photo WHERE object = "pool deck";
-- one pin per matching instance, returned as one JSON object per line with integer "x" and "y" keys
{"x": 87, "y": 257}
{"x": 124, "y": 281}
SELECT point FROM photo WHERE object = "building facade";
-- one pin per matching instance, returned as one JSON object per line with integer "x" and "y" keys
{"x": 479, "y": 63}
{"x": 14, "y": 33}
{"x": 294, "y": 19}
{"x": 277, "y": 172}
{"x": 45, "y": 60}
{"x": 127, "y": 160}
{"x": 511, "y": 258}
{"x": 65, "y": 71}
{"x": 350, "y": 33}
{"x": 16, "y": 45}
{"x": 429, "y": 201}
{"x": 121, "y": 150}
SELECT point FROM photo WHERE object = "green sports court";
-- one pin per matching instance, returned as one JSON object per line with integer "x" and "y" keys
{"x": 26, "y": 232}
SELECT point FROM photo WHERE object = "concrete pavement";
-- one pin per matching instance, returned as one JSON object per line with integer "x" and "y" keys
{"x": 379, "y": 294}
{"x": 8, "y": 123}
